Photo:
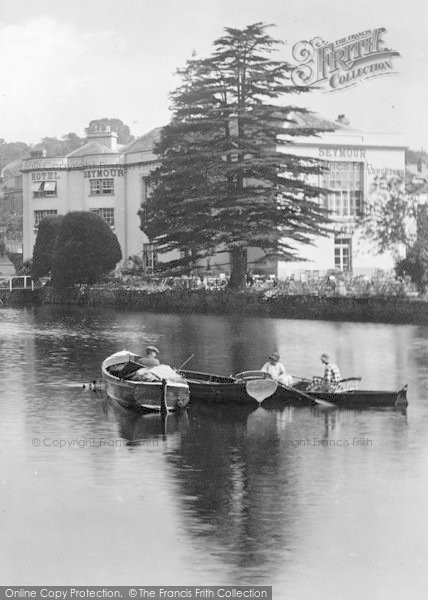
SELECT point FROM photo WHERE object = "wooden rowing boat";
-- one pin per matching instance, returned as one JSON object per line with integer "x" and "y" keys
{"x": 218, "y": 389}
{"x": 232, "y": 390}
{"x": 119, "y": 376}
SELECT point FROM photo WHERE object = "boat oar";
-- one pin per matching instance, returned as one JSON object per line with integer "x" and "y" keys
{"x": 308, "y": 397}
{"x": 185, "y": 362}
{"x": 260, "y": 389}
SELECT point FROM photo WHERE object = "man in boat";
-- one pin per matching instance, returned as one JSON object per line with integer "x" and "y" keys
{"x": 331, "y": 374}
{"x": 150, "y": 359}
{"x": 276, "y": 370}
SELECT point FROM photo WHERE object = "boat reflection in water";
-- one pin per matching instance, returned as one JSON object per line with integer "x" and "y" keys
{"x": 234, "y": 488}
{"x": 137, "y": 429}
{"x": 241, "y": 473}
{"x": 241, "y": 478}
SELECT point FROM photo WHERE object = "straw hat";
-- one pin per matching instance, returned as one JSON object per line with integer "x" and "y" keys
{"x": 274, "y": 356}
{"x": 152, "y": 349}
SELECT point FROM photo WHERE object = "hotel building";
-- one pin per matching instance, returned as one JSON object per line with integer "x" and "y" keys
{"x": 98, "y": 177}
{"x": 102, "y": 178}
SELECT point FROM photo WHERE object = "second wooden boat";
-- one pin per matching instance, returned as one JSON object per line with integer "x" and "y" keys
{"x": 232, "y": 390}
{"x": 162, "y": 386}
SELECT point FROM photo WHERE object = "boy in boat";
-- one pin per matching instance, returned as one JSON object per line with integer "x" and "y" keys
{"x": 276, "y": 370}
{"x": 331, "y": 374}
{"x": 151, "y": 358}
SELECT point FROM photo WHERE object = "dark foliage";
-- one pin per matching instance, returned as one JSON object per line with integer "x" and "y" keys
{"x": 86, "y": 249}
{"x": 415, "y": 265}
{"x": 222, "y": 184}
{"x": 55, "y": 147}
{"x": 391, "y": 206}
{"x": 44, "y": 247}
{"x": 16, "y": 259}
{"x": 10, "y": 151}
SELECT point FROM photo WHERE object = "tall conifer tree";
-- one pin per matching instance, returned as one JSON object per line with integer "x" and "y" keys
{"x": 222, "y": 185}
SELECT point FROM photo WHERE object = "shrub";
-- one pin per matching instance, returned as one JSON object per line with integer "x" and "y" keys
{"x": 44, "y": 247}
{"x": 86, "y": 249}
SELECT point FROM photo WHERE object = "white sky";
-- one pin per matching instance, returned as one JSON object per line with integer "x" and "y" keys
{"x": 65, "y": 62}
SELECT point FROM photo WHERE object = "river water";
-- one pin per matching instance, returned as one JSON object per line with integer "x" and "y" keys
{"x": 318, "y": 504}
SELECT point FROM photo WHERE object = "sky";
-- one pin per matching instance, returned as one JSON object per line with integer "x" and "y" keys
{"x": 66, "y": 62}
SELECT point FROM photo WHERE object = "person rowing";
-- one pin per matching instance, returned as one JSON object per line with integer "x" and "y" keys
{"x": 331, "y": 377}
{"x": 276, "y": 370}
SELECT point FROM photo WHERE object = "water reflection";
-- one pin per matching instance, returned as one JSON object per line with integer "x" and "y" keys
{"x": 137, "y": 428}
{"x": 252, "y": 496}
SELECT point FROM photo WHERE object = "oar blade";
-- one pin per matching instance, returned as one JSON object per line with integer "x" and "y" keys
{"x": 260, "y": 389}
{"x": 324, "y": 403}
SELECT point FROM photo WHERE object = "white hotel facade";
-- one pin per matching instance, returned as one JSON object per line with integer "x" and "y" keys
{"x": 97, "y": 177}
{"x": 111, "y": 181}
{"x": 354, "y": 159}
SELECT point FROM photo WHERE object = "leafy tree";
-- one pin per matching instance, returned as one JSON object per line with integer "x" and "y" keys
{"x": 222, "y": 184}
{"x": 124, "y": 135}
{"x": 10, "y": 151}
{"x": 60, "y": 147}
{"x": 85, "y": 250}
{"x": 12, "y": 222}
{"x": 44, "y": 247}
{"x": 395, "y": 219}
{"x": 415, "y": 265}
{"x": 389, "y": 219}
{"x": 25, "y": 268}
{"x": 413, "y": 157}
{"x": 71, "y": 141}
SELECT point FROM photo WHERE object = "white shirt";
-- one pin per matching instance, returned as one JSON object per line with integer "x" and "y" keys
{"x": 274, "y": 370}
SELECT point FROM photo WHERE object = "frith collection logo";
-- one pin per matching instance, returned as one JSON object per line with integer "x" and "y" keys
{"x": 344, "y": 62}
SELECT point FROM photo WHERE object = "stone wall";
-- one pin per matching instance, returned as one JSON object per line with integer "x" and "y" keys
{"x": 391, "y": 309}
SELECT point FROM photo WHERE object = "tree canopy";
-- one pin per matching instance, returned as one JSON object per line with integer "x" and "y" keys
{"x": 60, "y": 147}
{"x": 415, "y": 264}
{"x": 85, "y": 250}
{"x": 10, "y": 151}
{"x": 390, "y": 214}
{"x": 44, "y": 247}
{"x": 222, "y": 184}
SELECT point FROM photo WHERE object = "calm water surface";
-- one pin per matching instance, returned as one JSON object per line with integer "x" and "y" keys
{"x": 295, "y": 499}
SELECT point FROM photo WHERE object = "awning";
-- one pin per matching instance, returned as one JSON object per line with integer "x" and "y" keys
{"x": 50, "y": 186}
{"x": 37, "y": 187}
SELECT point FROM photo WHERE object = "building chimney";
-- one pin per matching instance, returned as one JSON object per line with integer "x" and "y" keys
{"x": 102, "y": 134}
{"x": 38, "y": 153}
{"x": 342, "y": 120}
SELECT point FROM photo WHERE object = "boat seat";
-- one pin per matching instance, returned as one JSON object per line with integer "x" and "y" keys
{"x": 348, "y": 384}
{"x": 249, "y": 375}
{"x": 124, "y": 370}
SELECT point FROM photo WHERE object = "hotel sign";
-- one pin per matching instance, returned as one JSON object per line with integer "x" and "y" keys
{"x": 45, "y": 176}
{"x": 342, "y": 63}
{"x": 341, "y": 152}
{"x": 100, "y": 173}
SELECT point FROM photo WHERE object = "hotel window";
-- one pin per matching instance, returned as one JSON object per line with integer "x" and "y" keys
{"x": 149, "y": 257}
{"x": 344, "y": 182}
{"x": 100, "y": 187}
{"x": 105, "y": 213}
{"x": 44, "y": 189}
{"x": 41, "y": 214}
{"x": 342, "y": 252}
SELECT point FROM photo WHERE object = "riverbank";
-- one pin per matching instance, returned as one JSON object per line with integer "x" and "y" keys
{"x": 271, "y": 303}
